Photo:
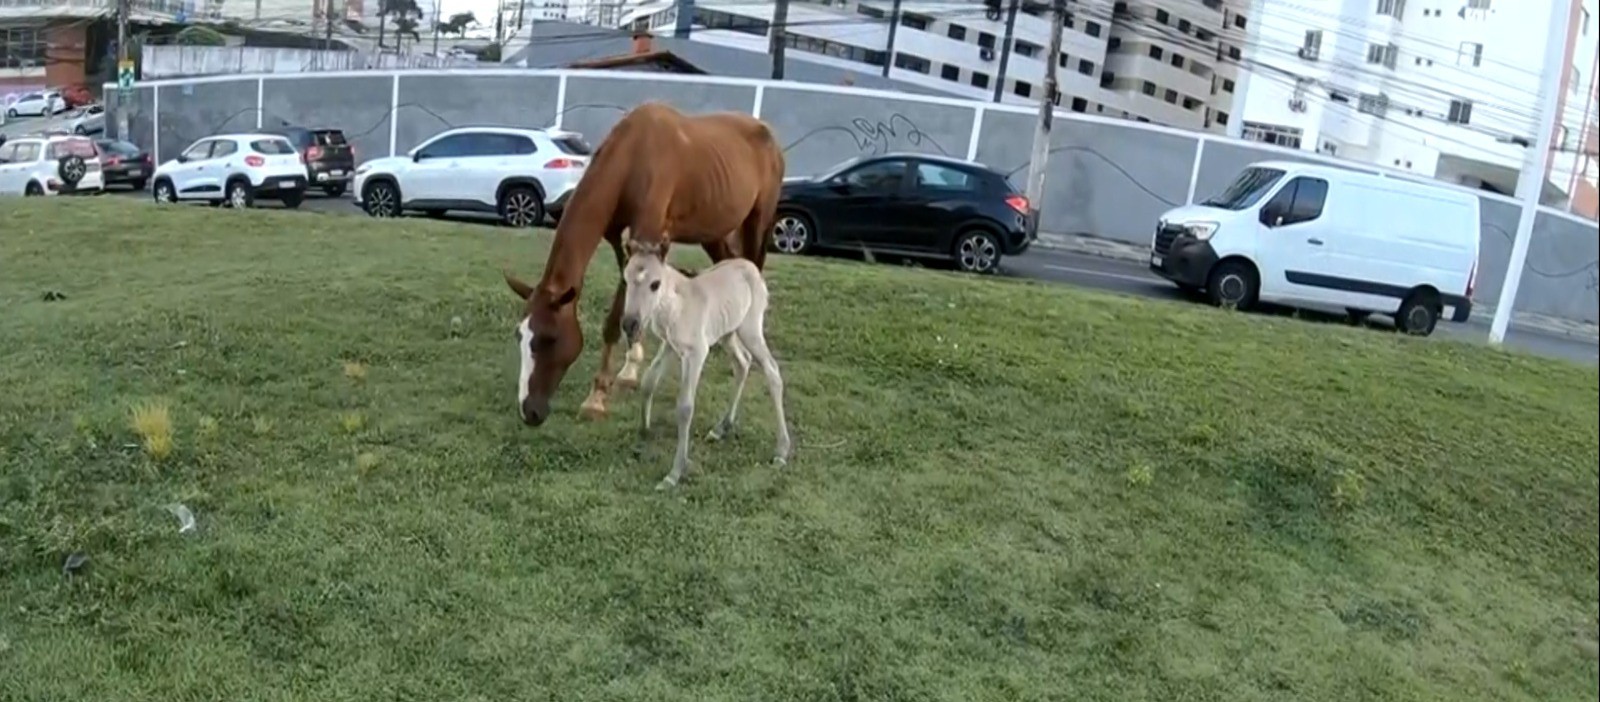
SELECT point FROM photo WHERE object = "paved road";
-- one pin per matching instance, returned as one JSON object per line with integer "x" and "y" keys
{"x": 1133, "y": 279}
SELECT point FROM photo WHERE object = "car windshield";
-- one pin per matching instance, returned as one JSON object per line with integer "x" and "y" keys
{"x": 272, "y": 147}
{"x": 1251, "y": 184}
{"x": 73, "y": 147}
{"x": 117, "y": 147}
{"x": 330, "y": 137}
{"x": 572, "y": 145}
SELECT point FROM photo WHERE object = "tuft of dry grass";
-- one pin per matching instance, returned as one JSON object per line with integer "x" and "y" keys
{"x": 352, "y": 422}
{"x": 366, "y": 462}
{"x": 355, "y": 370}
{"x": 207, "y": 428}
{"x": 261, "y": 425}
{"x": 152, "y": 421}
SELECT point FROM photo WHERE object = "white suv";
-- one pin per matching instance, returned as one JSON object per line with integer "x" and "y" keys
{"x": 233, "y": 169}
{"x": 50, "y": 165}
{"x": 518, "y": 174}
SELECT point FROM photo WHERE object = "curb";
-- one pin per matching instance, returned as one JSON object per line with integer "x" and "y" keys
{"x": 1123, "y": 251}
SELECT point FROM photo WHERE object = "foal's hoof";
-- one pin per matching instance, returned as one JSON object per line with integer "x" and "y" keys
{"x": 667, "y": 483}
{"x": 626, "y": 382}
{"x": 722, "y": 430}
{"x": 780, "y": 461}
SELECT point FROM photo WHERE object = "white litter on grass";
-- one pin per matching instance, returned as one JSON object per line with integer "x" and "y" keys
{"x": 185, "y": 517}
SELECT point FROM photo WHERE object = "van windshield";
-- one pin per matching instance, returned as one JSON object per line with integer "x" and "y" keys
{"x": 1248, "y": 188}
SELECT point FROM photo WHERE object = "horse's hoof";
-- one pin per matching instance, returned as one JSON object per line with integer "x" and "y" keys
{"x": 780, "y": 461}
{"x": 593, "y": 412}
{"x": 666, "y": 483}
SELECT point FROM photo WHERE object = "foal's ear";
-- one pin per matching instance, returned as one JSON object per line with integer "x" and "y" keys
{"x": 523, "y": 290}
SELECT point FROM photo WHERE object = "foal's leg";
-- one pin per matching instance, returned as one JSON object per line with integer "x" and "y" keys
{"x": 755, "y": 340}
{"x": 652, "y": 379}
{"x": 628, "y": 377}
{"x": 741, "y": 373}
{"x": 694, "y": 360}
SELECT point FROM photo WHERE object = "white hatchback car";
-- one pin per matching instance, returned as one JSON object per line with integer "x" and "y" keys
{"x": 40, "y": 104}
{"x": 519, "y": 174}
{"x": 50, "y": 165}
{"x": 89, "y": 119}
{"x": 233, "y": 169}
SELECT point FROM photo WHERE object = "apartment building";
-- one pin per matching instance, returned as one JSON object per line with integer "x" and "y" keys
{"x": 1138, "y": 59}
{"x": 1442, "y": 88}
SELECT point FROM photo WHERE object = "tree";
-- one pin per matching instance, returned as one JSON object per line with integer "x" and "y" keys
{"x": 196, "y": 35}
{"x": 458, "y": 24}
{"x": 405, "y": 14}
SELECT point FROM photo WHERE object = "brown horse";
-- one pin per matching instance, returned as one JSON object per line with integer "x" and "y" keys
{"x": 711, "y": 180}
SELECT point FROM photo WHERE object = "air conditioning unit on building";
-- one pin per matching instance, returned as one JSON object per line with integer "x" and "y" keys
{"x": 1297, "y": 105}
{"x": 1305, "y": 53}
{"x": 986, "y": 53}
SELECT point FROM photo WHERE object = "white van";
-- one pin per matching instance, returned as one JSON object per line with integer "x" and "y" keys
{"x": 1305, "y": 235}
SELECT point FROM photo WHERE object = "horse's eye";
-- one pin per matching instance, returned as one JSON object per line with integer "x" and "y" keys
{"x": 655, "y": 285}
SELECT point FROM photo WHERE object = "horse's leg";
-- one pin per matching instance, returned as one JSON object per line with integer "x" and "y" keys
{"x": 754, "y": 338}
{"x": 741, "y": 373}
{"x": 594, "y": 406}
{"x": 652, "y": 380}
{"x": 694, "y": 360}
{"x": 755, "y": 233}
{"x": 628, "y": 377}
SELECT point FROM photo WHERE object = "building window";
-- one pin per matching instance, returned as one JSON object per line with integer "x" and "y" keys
{"x": 1107, "y": 78}
{"x": 1205, "y": 35}
{"x": 986, "y": 40}
{"x": 913, "y": 20}
{"x": 979, "y": 80}
{"x": 956, "y": 32}
{"x": 1392, "y": 8}
{"x": 1113, "y": 44}
{"x": 712, "y": 19}
{"x": 1239, "y": 21}
{"x": 1288, "y": 137}
{"x": 1026, "y": 49}
{"x": 1091, "y": 28}
{"x": 872, "y": 12}
{"x": 950, "y": 73}
{"x": 1086, "y": 67}
{"x": 1227, "y": 85}
{"x": 1177, "y": 61}
{"x": 1184, "y": 26}
{"x": 1477, "y": 4}
{"x": 1471, "y": 52}
{"x": 912, "y": 63}
{"x": 1162, "y": 16}
{"x": 1064, "y": 61}
{"x": 1080, "y": 105}
{"x": 1171, "y": 96}
{"x": 1155, "y": 52}
{"x": 1460, "y": 112}
{"x": 1234, "y": 53}
{"x": 1383, "y": 53}
{"x": 1222, "y": 118}
{"x": 1376, "y": 105}
{"x": 1148, "y": 88}
{"x": 1022, "y": 89}
{"x": 1311, "y": 47}
{"x": 22, "y": 48}
{"x": 1190, "y": 104}
{"x": 824, "y": 47}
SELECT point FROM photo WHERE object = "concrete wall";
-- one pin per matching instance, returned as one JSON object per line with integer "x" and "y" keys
{"x": 1107, "y": 178}
{"x": 171, "y": 61}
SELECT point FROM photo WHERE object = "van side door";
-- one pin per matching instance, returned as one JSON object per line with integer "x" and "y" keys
{"x": 1291, "y": 245}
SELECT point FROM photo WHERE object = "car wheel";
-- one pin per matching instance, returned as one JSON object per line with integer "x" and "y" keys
{"x": 1418, "y": 314}
{"x": 1233, "y": 285}
{"x": 163, "y": 192}
{"x": 381, "y": 199}
{"x": 12, "y": 113}
{"x": 977, "y": 251}
{"x": 33, "y": 190}
{"x": 520, "y": 206}
{"x": 137, "y": 185}
{"x": 436, "y": 214}
{"x": 792, "y": 233}
{"x": 334, "y": 190}
{"x": 239, "y": 195}
{"x": 72, "y": 168}
{"x": 292, "y": 200}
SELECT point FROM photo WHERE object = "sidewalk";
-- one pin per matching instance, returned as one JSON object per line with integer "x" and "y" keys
{"x": 1135, "y": 253}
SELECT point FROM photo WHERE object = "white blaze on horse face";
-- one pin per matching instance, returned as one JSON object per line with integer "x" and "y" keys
{"x": 525, "y": 350}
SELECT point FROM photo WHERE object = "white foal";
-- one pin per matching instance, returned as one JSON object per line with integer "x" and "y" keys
{"x": 727, "y": 301}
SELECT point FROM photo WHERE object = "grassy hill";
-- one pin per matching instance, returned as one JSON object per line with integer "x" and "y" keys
{"x": 1001, "y": 490}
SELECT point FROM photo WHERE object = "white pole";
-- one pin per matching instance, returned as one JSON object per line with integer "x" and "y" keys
{"x": 1038, "y": 160}
{"x": 1530, "y": 183}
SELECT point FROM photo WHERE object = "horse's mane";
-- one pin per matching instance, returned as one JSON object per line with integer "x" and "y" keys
{"x": 687, "y": 272}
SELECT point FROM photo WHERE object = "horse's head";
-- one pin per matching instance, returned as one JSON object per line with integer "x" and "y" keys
{"x": 548, "y": 341}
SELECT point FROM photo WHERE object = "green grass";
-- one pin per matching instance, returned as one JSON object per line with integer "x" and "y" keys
{"x": 1001, "y": 490}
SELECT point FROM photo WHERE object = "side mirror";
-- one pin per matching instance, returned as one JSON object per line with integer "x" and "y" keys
{"x": 416, "y": 157}
{"x": 182, "y": 158}
{"x": 1271, "y": 217}
{"x": 839, "y": 185}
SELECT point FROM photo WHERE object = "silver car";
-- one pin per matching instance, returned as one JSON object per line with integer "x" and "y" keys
{"x": 89, "y": 119}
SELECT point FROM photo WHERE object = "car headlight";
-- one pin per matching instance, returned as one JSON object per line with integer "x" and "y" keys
{"x": 1201, "y": 231}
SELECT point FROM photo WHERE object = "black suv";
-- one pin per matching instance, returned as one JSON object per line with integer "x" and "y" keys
{"x": 330, "y": 159}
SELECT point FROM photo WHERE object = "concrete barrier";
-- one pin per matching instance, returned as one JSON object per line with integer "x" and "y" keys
{"x": 1108, "y": 178}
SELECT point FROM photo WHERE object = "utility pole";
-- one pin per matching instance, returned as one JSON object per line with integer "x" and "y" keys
{"x": 1039, "y": 159}
{"x": 124, "y": 71}
{"x": 894, "y": 24}
{"x": 1530, "y": 183}
{"x": 1005, "y": 49}
{"x": 327, "y": 36}
{"x": 436, "y": 18}
{"x": 685, "y": 23}
{"x": 780, "y": 20}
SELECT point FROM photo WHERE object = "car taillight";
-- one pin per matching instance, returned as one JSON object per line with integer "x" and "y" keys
{"x": 1472, "y": 280}
{"x": 1018, "y": 203}
{"x": 312, "y": 153}
{"x": 111, "y": 160}
{"x": 563, "y": 163}
{"x": 254, "y": 161}
{"x": 146, "y": 159}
